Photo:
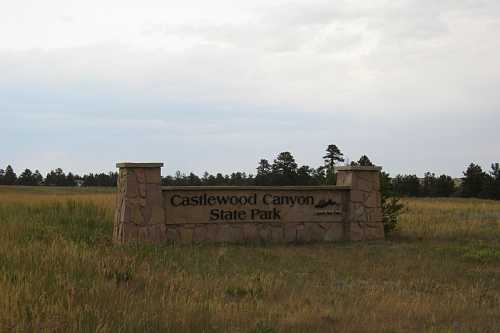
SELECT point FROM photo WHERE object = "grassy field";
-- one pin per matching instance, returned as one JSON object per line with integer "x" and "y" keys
{"x": 59, "y": 271}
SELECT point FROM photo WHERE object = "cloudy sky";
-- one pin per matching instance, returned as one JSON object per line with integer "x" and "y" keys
{"x": 217, "y": 85}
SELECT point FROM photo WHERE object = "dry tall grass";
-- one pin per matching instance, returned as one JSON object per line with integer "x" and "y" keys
{"x": 60, "y": 272}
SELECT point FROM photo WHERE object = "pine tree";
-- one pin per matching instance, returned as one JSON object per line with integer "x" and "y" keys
{"x": 333, "y": 155}
{"x": 285, "y": 164}
{"x": 364, "y": 161}
{"x": 26, "y": 178}
{"x": 495, "y": 173}
{"x": 304, "y": 176}
{"x": 407, "y": 185}
{"x": 37, "y": 177}
{"x": 70, "y": 180}
{"x": 491, "y": 183}
{"x": 473, "y": 181}
{"x": 444, "y": 186}
{"x": 264, "y": 168}
{"x": 284, "y": 169}
{"x": 10, "y": 177}
{"x": 264, "y": 172}
{"x": 428, "y": 188}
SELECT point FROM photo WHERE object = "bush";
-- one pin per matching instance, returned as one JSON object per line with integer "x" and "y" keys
{"x": 391, "y": 204}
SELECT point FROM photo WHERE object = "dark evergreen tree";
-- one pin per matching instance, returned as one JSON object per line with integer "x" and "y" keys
{"x": 10, "y": 177}
{"x": 239, "y": 179}
{"x": 305, "y": 176}
{"x": 495, "y": 170}
{"x": 193, "y": 180}
{"x": 2, "y": 174}
{"x": 444, "y": 186}
{"x": 488, "y": 187}
{"x": 167, "y": 181}
{"x": 491, "y": 183}
{"x": 220, "y": 179}
{"x": 428, "y": 188}
{"x": 89, "y": 180}
{"x": 431, "y": 186}
{"x": 37, "y": 177}
{"x": 100, "y": 179}
{"x": 70, "y": 180}
{"x": 211, "y": 180}
{"x": 56, "y": 177}
{"x": 264, "y": 168}
{"x": 495, "y": 174}
{"x": 26, "y": 178}
{"x": 204, "y": 178}
{"x": 408, "y": 185}
{"x": 333, "y": 155}
{"x": 103, "y": 179}
{"x": 180, "y": 178}
{"x": 319, "y": 175}
{"x": 284, "y": 169}
{"x": 364, "y": 161}
{"x": 113, "y": 178}
{"x": 264, "y": 171}
{"x": 473, "y": 181}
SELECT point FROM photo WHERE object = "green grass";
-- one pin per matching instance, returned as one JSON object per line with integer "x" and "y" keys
{"x": 59, "y": 271}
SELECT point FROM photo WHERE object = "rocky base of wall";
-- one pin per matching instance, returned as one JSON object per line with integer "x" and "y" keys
{"x": 366, "y": 231}
{"x": 252, "y": 232}
{"x": 237, "y": 233}
{"x": 256, "y": 232}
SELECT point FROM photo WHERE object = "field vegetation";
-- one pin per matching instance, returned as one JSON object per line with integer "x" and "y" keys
{"x": 59, "y": 271}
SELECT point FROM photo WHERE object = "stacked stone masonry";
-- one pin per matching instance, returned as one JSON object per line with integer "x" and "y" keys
{"x": 142, "y": 212}
{"x": 365, "y": 220}
{"x": 255, "y": 232}
{"x": 139, "y": 215}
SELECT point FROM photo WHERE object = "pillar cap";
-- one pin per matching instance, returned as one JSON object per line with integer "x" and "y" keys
{"x": 138, "y": 165}
{"x": 358, "y": 168}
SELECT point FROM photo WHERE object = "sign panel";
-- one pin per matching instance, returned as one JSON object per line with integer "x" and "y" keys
{"x": 259, "y": 204}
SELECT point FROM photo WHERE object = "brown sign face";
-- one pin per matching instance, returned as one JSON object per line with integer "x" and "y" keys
{"x": 212, "y": 205}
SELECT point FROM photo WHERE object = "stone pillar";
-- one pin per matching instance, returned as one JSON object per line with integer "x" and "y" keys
{"x": 365, "y": 210}
{"x": 139, "y": 213}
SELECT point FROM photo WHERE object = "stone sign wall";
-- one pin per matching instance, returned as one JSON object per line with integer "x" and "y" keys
{"x": 147, "y": 212}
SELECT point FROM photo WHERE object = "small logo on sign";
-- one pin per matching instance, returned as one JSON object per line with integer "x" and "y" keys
{"x": 322, "y": 204}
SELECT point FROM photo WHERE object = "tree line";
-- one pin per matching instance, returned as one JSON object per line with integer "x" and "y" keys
{"x": 475, "y": 183}
{"x": 56, "y": 177}
{"x": 284, "y": 170}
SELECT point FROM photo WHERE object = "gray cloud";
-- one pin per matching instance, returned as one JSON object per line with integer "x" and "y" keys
{"x": 413, "y": 85}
